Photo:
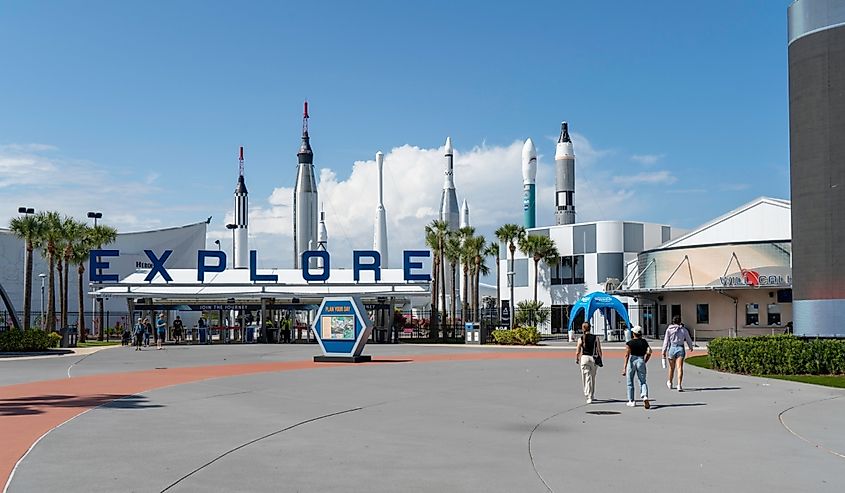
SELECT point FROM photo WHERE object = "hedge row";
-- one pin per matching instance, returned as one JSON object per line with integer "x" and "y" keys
{"x": 13, "y": 340}
{"x": 520, "y": 336}
{"x": 778, "y": 355}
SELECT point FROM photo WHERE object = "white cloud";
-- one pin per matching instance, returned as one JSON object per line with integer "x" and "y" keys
{"x": 648, "y": 159}
{"x": 651, "y": 178}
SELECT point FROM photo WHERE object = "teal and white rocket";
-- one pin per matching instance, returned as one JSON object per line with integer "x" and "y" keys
{"x": 529, "y": 188}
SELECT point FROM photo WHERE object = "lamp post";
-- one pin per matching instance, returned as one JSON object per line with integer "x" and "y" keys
{"x": 232, "y": 227}
{"x": 95, "y": 216}
{"x": 512, "y": 308}
{"x": 217, "y": 242}
{"x": 42, "y": 276}
{"x": 26, "y": 210}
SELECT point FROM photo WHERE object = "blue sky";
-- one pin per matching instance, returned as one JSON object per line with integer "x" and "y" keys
{"x": 137, "y": 108}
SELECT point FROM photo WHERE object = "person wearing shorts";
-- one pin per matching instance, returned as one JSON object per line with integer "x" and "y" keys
{"x": 161, "y": 331}
{"x": 673, "y": 350}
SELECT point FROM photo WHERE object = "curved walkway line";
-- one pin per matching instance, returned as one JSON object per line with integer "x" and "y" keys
{"x": 29, "y": 411}
{"x": 814, "y": 444}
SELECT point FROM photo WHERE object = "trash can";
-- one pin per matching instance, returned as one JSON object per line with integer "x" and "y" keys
{"x": 472, "y": 333}
{"x": 69, "y": 336}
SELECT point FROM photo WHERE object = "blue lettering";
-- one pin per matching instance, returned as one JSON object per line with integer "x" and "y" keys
{"x": 202, "y": 268}
{"x": 307, "y": 256}
{"x": 158, "y": 265}
{"x": 357, "y": 266}
{"x": 254, "y": 276}
{"x": 409, "y": 264}
{"x": 95, "y": 265}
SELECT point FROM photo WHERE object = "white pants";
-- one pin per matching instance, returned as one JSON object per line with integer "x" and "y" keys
{"x": 588, "y": 375}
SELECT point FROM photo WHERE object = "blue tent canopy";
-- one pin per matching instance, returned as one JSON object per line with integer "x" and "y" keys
{"x": 598, "y": 301}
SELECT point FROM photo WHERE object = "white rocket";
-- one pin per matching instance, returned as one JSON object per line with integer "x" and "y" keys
{"x": 380, "y": 230}
{"x": 529, "y": 178}
{"x": 449, "y": 208}
{"x": 304, "y": 197}
{"x": 322, "y": 237}
{"x": 241, "y": 246}
{"x": 564, "y": 178}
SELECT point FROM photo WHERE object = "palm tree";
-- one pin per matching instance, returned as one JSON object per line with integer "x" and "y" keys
{"x": 79, "y": 256}
{"x": 27, "y": 228}
{"x": 539, "y": 248}
{"x": 452, "y": 252}
{"x": 439, "y": 230}
{"x": 464, "y": 234}
{"x": 50, "y": 235}
{"x": 510, "y": 233}
{"x": 475, "y": 247}
{"x": 493, "y": 251}
{"x": 432, "y": 241}
{"x": 99, "y": 236}
{"x": 74, "y": 232}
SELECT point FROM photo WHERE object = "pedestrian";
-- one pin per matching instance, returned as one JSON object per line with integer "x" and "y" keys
{"x": 139, "y": 334}
{"x": 177, "y": 329}
{"x": 161, "y": 331}
{"x": 788, "y": 329}
{"x": 673, "y": 350}
{"x": 588, "y": 357}
{"x": 637, "y": 354}
{"x": 148, "y": 329}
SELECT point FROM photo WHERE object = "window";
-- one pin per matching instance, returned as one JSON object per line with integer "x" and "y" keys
{"x": 702, "y": 314}
{"x": 676, "y": 311}
{"x": 661, "y": 312}
{"x": 773, "y": 314}
{"x": 584, "y": 239}
{"x": 569, "y": 270}
{"x": 558, "y": 319}
{"x": 632, "y": 237}
{"x": 752, "y": 314}
{"x": 520, "y": 272}
{"x": 610, "y": 265}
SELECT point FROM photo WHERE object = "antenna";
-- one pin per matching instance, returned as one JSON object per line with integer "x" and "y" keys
{"x": 241, "y": 161}
{"x": 305, "y": 118}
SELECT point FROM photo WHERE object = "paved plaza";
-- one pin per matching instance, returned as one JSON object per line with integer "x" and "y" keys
{"x": 419, "y": 418}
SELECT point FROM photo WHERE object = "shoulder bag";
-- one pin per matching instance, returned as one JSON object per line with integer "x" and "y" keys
{"x": 596, "y": 355}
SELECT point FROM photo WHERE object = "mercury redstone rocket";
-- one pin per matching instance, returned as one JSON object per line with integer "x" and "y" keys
{"x": 322, "y": 237}
{"x": 380, "y": 231}
{"x": 529, "y": 178}
{"x": 304, "y": 198}
{"x": 241, "y": 252}
{"x": 564, "y": 178}
{"x": 449, "y": 205}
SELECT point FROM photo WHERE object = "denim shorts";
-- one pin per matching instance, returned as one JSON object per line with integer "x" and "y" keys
{"x": 676, "y": 351}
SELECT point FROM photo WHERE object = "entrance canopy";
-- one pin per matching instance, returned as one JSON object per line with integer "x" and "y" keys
{"x": 598, "y": 301}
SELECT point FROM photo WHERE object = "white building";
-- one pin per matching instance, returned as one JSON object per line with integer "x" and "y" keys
{"x": 730, "y": 276}
{"x": 590, "y": 254}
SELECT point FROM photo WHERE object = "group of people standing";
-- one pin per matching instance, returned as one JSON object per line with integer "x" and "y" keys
{"x": 143, "y": 328}
{"x": 588, "y": 356}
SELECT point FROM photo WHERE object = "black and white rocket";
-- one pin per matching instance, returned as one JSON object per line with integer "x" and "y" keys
{"x": 322, "y": 237}
{"x": 241, "y": 245}
{"x": 564, "y": 178}
{"x": 380, "y": 229}
{"x": 449, "y": 207}
{"x": 304, "y": 198}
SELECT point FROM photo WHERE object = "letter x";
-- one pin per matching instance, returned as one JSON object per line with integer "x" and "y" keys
{"x": 158, "y": 265}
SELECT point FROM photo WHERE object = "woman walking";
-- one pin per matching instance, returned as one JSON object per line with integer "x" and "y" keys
{"x": 637, "y": 354}
{"x": 673, "y": 350}
{"x": 589, "y": 350}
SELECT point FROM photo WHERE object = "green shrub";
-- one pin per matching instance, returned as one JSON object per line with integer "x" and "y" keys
{"x": 778, "y": 355}
{"x": 55, "y": 339}
{"x": 520, "y": 336}
{"x": 14, "y": 340}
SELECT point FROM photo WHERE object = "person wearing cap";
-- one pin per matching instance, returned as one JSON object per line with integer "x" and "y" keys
{"x": 637, "y": 354}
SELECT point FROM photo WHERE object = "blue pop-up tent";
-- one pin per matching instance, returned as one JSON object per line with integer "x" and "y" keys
{"x": 598, "y": 301}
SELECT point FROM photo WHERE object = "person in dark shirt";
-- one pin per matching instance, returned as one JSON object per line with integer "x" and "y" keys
{"x": 178, "y": 326}
{"x": 637, "y": 354}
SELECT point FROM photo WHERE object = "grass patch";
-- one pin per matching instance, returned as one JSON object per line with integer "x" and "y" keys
{"x": 96, "y": 343}
{"x": 836, "y": 381}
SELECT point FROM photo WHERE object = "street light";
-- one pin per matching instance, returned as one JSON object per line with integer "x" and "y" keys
{"x": 233, "y": 227}
{"x": 26, "y": 210}
{"x": 95, "y": 216}
{"x": 511, "y": 307}
{"x": 217, "y": 242}
{"x": 42, "y": 276}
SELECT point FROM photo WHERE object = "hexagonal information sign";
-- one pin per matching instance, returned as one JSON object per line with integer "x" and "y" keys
{"x": 342, "y": 327}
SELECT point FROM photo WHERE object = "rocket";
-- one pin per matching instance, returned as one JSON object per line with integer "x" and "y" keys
{"x": 564, "y": 178}
{"x": 529, "y": 178}
{"x": 241, "y": 252}
{"x": 304, "y": 197}
{"x": 465, "y": 214}
{"x": 322, "y": 237}
{"x": 380, "y": 230}
{"x": 449, "y": 200}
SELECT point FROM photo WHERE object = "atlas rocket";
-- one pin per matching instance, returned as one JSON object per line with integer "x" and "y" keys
{"x": 529, "y": 187}
{"x": 449, "y": 205}
{"x": 564, "y": 178}
{"x": 241, "y": 245}
{"x": 304, "y": 197}
{"x": 380, "y": 230}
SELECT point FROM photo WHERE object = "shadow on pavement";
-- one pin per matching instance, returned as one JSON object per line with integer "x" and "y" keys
{"x": 387, "y": 360}
{"x": 20, "y": 406}
{"x": 708, "y": 389}
{"x": 679, "y": 404}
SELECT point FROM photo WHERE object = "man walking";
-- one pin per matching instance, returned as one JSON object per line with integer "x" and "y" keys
{"x": 637, "y": 354}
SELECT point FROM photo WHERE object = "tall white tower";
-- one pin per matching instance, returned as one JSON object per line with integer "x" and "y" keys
{"x": 241, "y": 252}
{"x": 304, "y": 197}
{"x": 380, "y": 231}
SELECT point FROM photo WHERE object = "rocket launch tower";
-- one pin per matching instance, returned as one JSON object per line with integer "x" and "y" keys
{"x": 304, "y": 198}
{"x": 564, "y": 178}
{"x": 241, "y": 252}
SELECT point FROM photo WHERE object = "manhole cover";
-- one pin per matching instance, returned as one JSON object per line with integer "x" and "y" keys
{"x": 161, "y": 367}
{"x": 603, "y": 413}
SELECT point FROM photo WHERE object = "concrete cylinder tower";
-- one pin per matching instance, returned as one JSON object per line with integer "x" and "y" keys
{"x": 817, "y": 161}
